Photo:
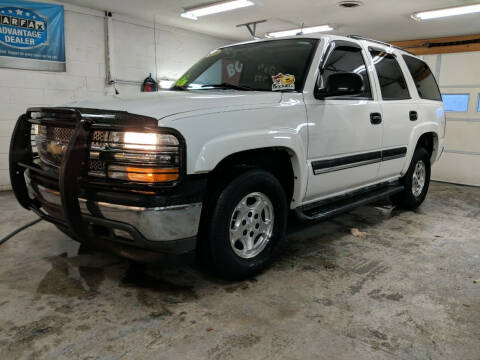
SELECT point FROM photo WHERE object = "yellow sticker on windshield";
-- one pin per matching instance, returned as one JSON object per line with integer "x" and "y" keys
{"x": 283, "y": 82}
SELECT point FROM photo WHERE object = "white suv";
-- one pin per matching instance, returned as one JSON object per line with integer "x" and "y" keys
{"x": 317, "y": 124}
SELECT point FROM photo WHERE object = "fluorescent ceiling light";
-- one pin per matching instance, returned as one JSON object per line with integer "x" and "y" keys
{"x": 215, "y": 8}
{"x": 307, "y": 30}
{"x": 441, "y": 13}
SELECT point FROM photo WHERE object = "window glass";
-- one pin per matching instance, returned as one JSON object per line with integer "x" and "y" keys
{"x": 390, "y": 75}
{"x": 346, "y": 59}
{"x": 255, "y": 66}
{"x": 424, "y": 80}
{"x": 478, "y": 103}
{"x": 456, "y": 102}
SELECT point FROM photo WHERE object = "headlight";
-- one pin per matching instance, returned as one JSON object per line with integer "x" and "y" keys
{"x": 141, "y": 141}
{"x": 143, "y": 157}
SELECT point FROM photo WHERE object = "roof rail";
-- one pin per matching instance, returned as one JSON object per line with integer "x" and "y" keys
{"x": 358, "y": 37}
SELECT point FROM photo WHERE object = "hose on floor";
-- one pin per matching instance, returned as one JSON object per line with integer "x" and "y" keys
{"x": 12, "y": 234}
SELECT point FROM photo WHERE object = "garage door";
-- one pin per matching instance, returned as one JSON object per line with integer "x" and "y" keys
{"x": 459, "y": 79}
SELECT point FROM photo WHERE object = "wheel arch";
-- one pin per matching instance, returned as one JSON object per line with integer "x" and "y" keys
{"x": 282, "y": 162}
{"x": 429, "y": 141}
{"x": 258, "y": 145}
{"x": 427, "y": 135}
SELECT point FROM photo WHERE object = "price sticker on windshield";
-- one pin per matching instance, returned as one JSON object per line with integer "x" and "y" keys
{"x": 283, "y": 82}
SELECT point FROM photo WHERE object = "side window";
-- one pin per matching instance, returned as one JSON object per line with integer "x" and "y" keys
{"x": 424, "y": 80}
{"x": 390, "y": 75}
{"x": 344, "y": 59}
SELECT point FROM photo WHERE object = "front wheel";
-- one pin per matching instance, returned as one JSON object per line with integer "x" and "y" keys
{"x": 245, "y": 225}
{"x": 416, "y": 182}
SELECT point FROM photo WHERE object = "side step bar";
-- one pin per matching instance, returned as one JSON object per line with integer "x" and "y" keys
{"x": 323, "y": 211}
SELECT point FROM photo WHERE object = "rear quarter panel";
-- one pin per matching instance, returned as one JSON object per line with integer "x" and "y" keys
{"x": 431, "y": 117}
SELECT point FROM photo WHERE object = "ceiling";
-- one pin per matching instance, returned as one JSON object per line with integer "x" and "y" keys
{"x": 386, "y": 20}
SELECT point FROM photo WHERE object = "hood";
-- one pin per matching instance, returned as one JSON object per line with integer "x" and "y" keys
{"x": 164, "y": 103}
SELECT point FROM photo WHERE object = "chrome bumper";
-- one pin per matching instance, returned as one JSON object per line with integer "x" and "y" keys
{"x": 160, "y": 224}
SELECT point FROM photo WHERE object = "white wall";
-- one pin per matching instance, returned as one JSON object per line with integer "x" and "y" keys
{"x": 459, "y": 74}
{"x": 133, "y": 58}
{"x": 85, "y": 76}
{"x": 134, "y": 51}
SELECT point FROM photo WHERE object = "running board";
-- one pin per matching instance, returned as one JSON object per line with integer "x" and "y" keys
{"x": 324, "y": 211}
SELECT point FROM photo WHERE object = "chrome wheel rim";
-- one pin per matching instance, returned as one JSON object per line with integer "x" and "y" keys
{"x": 419, "y": 175}
{"x": 251, "y": 225}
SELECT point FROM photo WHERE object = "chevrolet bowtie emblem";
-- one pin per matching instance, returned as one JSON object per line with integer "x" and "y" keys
{"x": 55, "y": 149}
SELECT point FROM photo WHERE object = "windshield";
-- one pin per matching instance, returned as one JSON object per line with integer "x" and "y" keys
{"x": 279, "y": 65}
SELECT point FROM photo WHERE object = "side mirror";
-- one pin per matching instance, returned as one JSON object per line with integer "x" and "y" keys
{"x": 341, "y": 84}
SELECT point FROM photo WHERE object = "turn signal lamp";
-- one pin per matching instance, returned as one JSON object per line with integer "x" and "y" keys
{"x": 144, "y": 157}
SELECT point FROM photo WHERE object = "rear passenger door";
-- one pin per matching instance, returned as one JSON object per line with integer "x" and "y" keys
{"x": 398, "y": 111}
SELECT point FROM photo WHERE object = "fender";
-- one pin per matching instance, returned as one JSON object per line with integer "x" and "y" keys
{"x": 216, "y": 134}
{"x": 418, "y": 131}
{"x": 217, "y": 149}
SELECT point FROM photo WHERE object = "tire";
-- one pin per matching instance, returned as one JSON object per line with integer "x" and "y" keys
{"x": 414, "y": 193}
{"x": 239, "y": 239}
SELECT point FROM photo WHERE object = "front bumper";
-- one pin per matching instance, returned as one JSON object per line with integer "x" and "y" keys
{"x": 162, "y": 220}
{"x": 171, "y": 229}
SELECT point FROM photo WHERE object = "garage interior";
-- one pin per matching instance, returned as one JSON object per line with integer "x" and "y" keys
{"x": 373, "y": 283}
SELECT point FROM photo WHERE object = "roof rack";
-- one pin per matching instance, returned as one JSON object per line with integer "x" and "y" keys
{"x": 358, "y": 37}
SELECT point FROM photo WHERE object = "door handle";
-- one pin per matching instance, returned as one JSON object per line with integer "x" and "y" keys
{"x": 413, "y": 116}
{"x": 376, "y": 118}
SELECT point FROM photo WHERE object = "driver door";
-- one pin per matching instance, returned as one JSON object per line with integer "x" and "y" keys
{"x": 345, "y": 133}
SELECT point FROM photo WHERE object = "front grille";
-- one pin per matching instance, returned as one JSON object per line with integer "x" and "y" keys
{"x": 99, "y": 139}
{"x": 96, "y": 165}
{"x": 60, "y": 134}
{"x": 50, "y": 143}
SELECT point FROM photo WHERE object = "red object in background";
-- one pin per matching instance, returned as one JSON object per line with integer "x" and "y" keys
{"x": 232, "y": 71}
{"x": 149, "y": 85}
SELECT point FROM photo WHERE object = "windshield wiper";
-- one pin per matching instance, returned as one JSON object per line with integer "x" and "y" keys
{"x": 228, "y": 86}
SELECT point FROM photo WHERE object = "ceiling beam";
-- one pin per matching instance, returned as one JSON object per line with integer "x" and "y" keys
{"x": 445, "y": 45}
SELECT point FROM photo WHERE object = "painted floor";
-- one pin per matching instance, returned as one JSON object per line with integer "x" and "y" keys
{"x": 405, "y": 290}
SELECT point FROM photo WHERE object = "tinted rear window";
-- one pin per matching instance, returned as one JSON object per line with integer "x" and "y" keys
{"x": 424, "y": 80}
{"x": 390, "y": 75}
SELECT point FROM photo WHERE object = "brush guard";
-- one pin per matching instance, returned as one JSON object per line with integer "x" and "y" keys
{"x": 72, "y": 176}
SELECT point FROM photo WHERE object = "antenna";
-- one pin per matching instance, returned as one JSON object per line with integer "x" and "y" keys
{"x": 301, "y": 29}
{"x": 252, "y": 27}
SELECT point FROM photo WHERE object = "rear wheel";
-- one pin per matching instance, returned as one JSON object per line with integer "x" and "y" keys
{"x": 246, "y": 221}
{"x": 416, "y": 182}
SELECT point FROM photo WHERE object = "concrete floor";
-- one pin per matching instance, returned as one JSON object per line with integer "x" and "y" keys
{"x": 405, "y": 291}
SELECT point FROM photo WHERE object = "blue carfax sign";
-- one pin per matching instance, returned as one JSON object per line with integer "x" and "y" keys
{"x": 32, "y": 35}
